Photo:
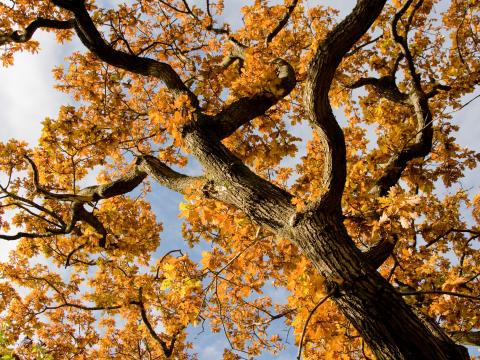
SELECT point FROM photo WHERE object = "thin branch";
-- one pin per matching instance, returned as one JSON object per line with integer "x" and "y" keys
{"x": 304, "y": 331}
{"x": 361, "y": 46}
{"x": 157, "y": 275}
{"x": 16, "y": 197}
{"x": 28, "y": 235}
{"x": 281, "y": 24}
{"x": 173, "y": 7}
{"x": 167, "y": 349}
{"x": 83, "y": 307}
{"x": 403, "y": 40}
{"x": 120, "y": 186}
{"x": 452, "y": 230}
{"x": 70, "y": 254}
{"x": 464, "y": 105}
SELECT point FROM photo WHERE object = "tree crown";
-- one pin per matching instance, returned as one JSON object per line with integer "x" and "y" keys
{"x": 161, "y": 83}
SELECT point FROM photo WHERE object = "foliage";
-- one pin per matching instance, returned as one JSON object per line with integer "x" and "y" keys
{"x": 89, "y": 278}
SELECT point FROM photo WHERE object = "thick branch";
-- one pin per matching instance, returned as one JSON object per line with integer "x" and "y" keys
{"x": 377, "y": 255}
{"x": 440, "y": 334}
{"x": 246, "y": 109}
{"x": 320, "y": 76}
{"x": 229, "y": 180}
{"x": 92, "y": 39}
{"x": 167, "y": 177}
{"x": 420, "y": 148}
{"x": 120, "y": 186}
{"x": 385, "y": 86}
{"x": 24, "y": 36}
{"x": 466, "y": 337}
{"x": 437, "y": 88}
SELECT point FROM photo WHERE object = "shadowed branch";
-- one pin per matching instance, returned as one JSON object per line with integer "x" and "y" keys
{"x": 24, "y": 36}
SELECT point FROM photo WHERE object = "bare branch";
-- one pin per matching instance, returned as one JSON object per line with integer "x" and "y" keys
{"x": 464, "y": 105}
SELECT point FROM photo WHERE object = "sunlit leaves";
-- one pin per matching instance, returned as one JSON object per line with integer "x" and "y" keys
{"x": 231, "y": 275}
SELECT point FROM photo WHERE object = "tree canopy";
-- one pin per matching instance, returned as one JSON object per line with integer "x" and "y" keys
{"x": 366, "y": 227}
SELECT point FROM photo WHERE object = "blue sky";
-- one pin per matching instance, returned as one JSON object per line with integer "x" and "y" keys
{"x": 27, "y": 97}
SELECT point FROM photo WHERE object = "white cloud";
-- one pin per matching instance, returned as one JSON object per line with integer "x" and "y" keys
{"x": 27, "y": 95}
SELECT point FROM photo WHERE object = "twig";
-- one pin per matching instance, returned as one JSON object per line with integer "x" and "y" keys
{"x": 464, "y": 105}
{"x": 300, "y": 345}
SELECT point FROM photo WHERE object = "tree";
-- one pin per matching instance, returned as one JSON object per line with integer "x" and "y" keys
{"x": 378, "y": 261}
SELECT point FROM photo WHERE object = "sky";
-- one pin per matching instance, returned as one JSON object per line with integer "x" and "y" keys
{"x": 27, "y": 96}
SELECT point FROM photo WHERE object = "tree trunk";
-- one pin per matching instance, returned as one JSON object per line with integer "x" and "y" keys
{"x": 383, "y": 319}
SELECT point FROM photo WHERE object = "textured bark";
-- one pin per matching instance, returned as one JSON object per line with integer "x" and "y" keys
{"x": 386, "y": 323}
{"x": 466, "y": 337}
{"x": 368, "y": 301}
